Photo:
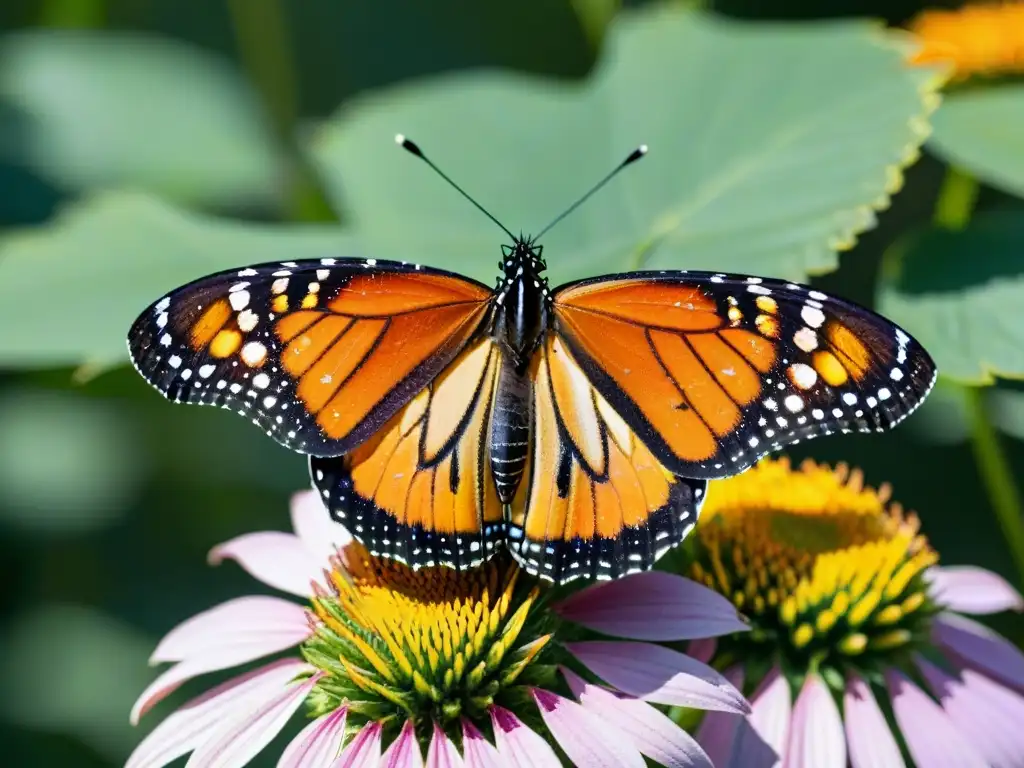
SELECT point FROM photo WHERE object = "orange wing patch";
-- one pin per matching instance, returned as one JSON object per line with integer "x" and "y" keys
{"x": 597, "y": 503}
{"x": 420, "y": 490}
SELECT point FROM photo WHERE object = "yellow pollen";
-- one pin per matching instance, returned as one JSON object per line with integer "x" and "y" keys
{"x": 985, "y": 38}
{"x": 815, "y": 556}
{"x": 432, "y": 642}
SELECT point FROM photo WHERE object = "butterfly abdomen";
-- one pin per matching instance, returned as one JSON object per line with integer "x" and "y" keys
{"x": 510, "y": 432}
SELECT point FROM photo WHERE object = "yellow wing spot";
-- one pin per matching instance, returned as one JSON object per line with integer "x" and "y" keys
{"x": 225, "y": 344}
{"x": 280, "y": 304}
{"x": 767, "y": 304}
{"x": 308, "y": 301}
{"x": 735, "y": 316}
{"x": 768, "y": 326}
{"x": 849, "y": 346}
{"x": 209, "y": 323}
{"x": 830, "y": 369}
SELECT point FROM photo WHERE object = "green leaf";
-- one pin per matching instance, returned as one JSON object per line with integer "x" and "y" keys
{"x": 771, "y": 146}
{"x": 980, "y": 131}
{"x": 88, "y": 109}
{"x": 962, "y": 295}
{"x": 69, "y": 292}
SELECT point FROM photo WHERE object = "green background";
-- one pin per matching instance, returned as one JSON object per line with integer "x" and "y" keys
{"x": 191, "y": 136}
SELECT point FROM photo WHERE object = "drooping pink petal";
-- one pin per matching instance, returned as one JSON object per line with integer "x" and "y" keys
{"x": 717, "y": 732}
{"x": 442, "y": 752}
{"x": 658, "y": 674}
{"x": 238, "y": 742}
{"x": 987, "y": 714}
{"x": 479, "y": 752}
{"x": 192, "y": 724}
{"x": 762, "y": 738}
{"x": 518, "y": 744}
{"x": 931, "y": 736}
{"x": 816, "y": 736}
{"x": 978, "y": 646}
{"x": 248, "y": 627}
{"x": 279, "y": 560}
{"x": 652, "y": 606}
{"x": 703, "y": 649}
{"x": 650, "y": 731}
{"x": 318, "y": 743}
{"x": 969, "y": 589}
{"x": 313, "y": 524}
{"x": 363, "y": 751}
{"x": 586, "y": 738}
{"x": 404, "y": 751}
{"x": 868, "y": 738}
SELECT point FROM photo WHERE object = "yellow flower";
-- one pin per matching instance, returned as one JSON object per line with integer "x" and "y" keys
{"x": 976, "y": 39}
{"x": 848, "y": 605}
{"x": 821, "y": 563}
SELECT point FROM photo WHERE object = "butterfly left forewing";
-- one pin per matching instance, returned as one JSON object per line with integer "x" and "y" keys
{"x": 320, "y": 354}
{"x": 420, "y": 490}
{"x": 595, "y": 502}
{"x": 714, "y": 371}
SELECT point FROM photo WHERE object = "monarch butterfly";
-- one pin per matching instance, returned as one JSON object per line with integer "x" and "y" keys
{"x": 576, "y": 427}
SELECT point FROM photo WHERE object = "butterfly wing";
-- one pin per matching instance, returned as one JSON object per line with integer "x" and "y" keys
{"x": 596, "y": 502}
{"x": 713, "y": 371}
{"x": 420, "y": 490}
{"x": 319, "y": 353}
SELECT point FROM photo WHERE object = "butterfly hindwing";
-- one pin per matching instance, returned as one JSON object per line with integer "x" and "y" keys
{"x": 714, "y": 371}
{"x": 595, "y": 502}
{"x": 318, "y": 353}
{"x": 420, "y": 490}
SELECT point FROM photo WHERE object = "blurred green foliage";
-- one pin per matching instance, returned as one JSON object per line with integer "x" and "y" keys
{"x": 158, "y": 141}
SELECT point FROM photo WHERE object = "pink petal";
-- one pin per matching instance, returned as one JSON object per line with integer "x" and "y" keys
{"x": 969, "y": 589}
{"x": 650, "y": 731}
{"x": 318, "y": 743}
{"x": 404, "y": 751}
{"x": 868, "y": 738}
{"x": 442, "y": 752}
{"x": 703, "y": 649}
{"x": 979, "y": 647}
{"x": 195, "y": 721}
{"x": 762, "y": 738}
{"x": 279, "y": 560}
{"x": 658, "y": 674}
{"x": 816, "y": 738}
{"x": 313, "y": 524}
{"x": 652, "y": 606}
{"x": 519, "y": 745}
{"x": 718, "y": 731}
{"x": 247, "y": 627}
{"x": 930, "y": 735}
{"x": 988, "y": 714}
{"x": 586, "y": 738}
{"x": 240, "y": 741}
{"x": 479, "y": 752}
{"x": 363, "y": 751}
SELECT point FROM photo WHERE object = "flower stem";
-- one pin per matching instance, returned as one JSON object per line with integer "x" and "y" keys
{"x": 261, "y": 31}
{"x": 953, "y": 210}
{"x": 997, "y": 477}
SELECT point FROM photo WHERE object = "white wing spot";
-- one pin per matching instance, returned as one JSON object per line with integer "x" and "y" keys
{"x": 279, "y": 286}
{"x": 247, "y": 320}
{"x": 812, "y": 316}
{"x": 849, "y": 398}
{"x": 806, "y": 339}
{"x": 207, "y": 370}
{"x": 794, "y": 403}
{"x": 253, "y": 354}
{"x": 261, "y": 381}
{"x": 174, "y": 361}
{"x": 803, "y": 376}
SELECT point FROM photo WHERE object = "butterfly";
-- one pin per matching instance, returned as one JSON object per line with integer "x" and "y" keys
{"x": 575, "y": 427}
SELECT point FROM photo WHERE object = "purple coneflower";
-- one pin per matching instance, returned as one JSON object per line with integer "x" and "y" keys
{"x": 858, "y": 653}
{"x": 395, "y": 667}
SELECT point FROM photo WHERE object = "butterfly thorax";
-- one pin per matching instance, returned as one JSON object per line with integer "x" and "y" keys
{"x": 522, "y": 301}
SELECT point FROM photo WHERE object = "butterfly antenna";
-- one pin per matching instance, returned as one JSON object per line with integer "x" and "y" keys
{"x": 635, "y": 155}
{"x": 410, "y": 146}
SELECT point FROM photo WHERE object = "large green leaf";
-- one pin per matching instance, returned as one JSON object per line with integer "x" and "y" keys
{"x": 771, "y": 145}
{"x": 982, "y": 131}
{"x": 962, "y": 295}
{"x": 92, "y": 109}
{"x": 69, "y": 292}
